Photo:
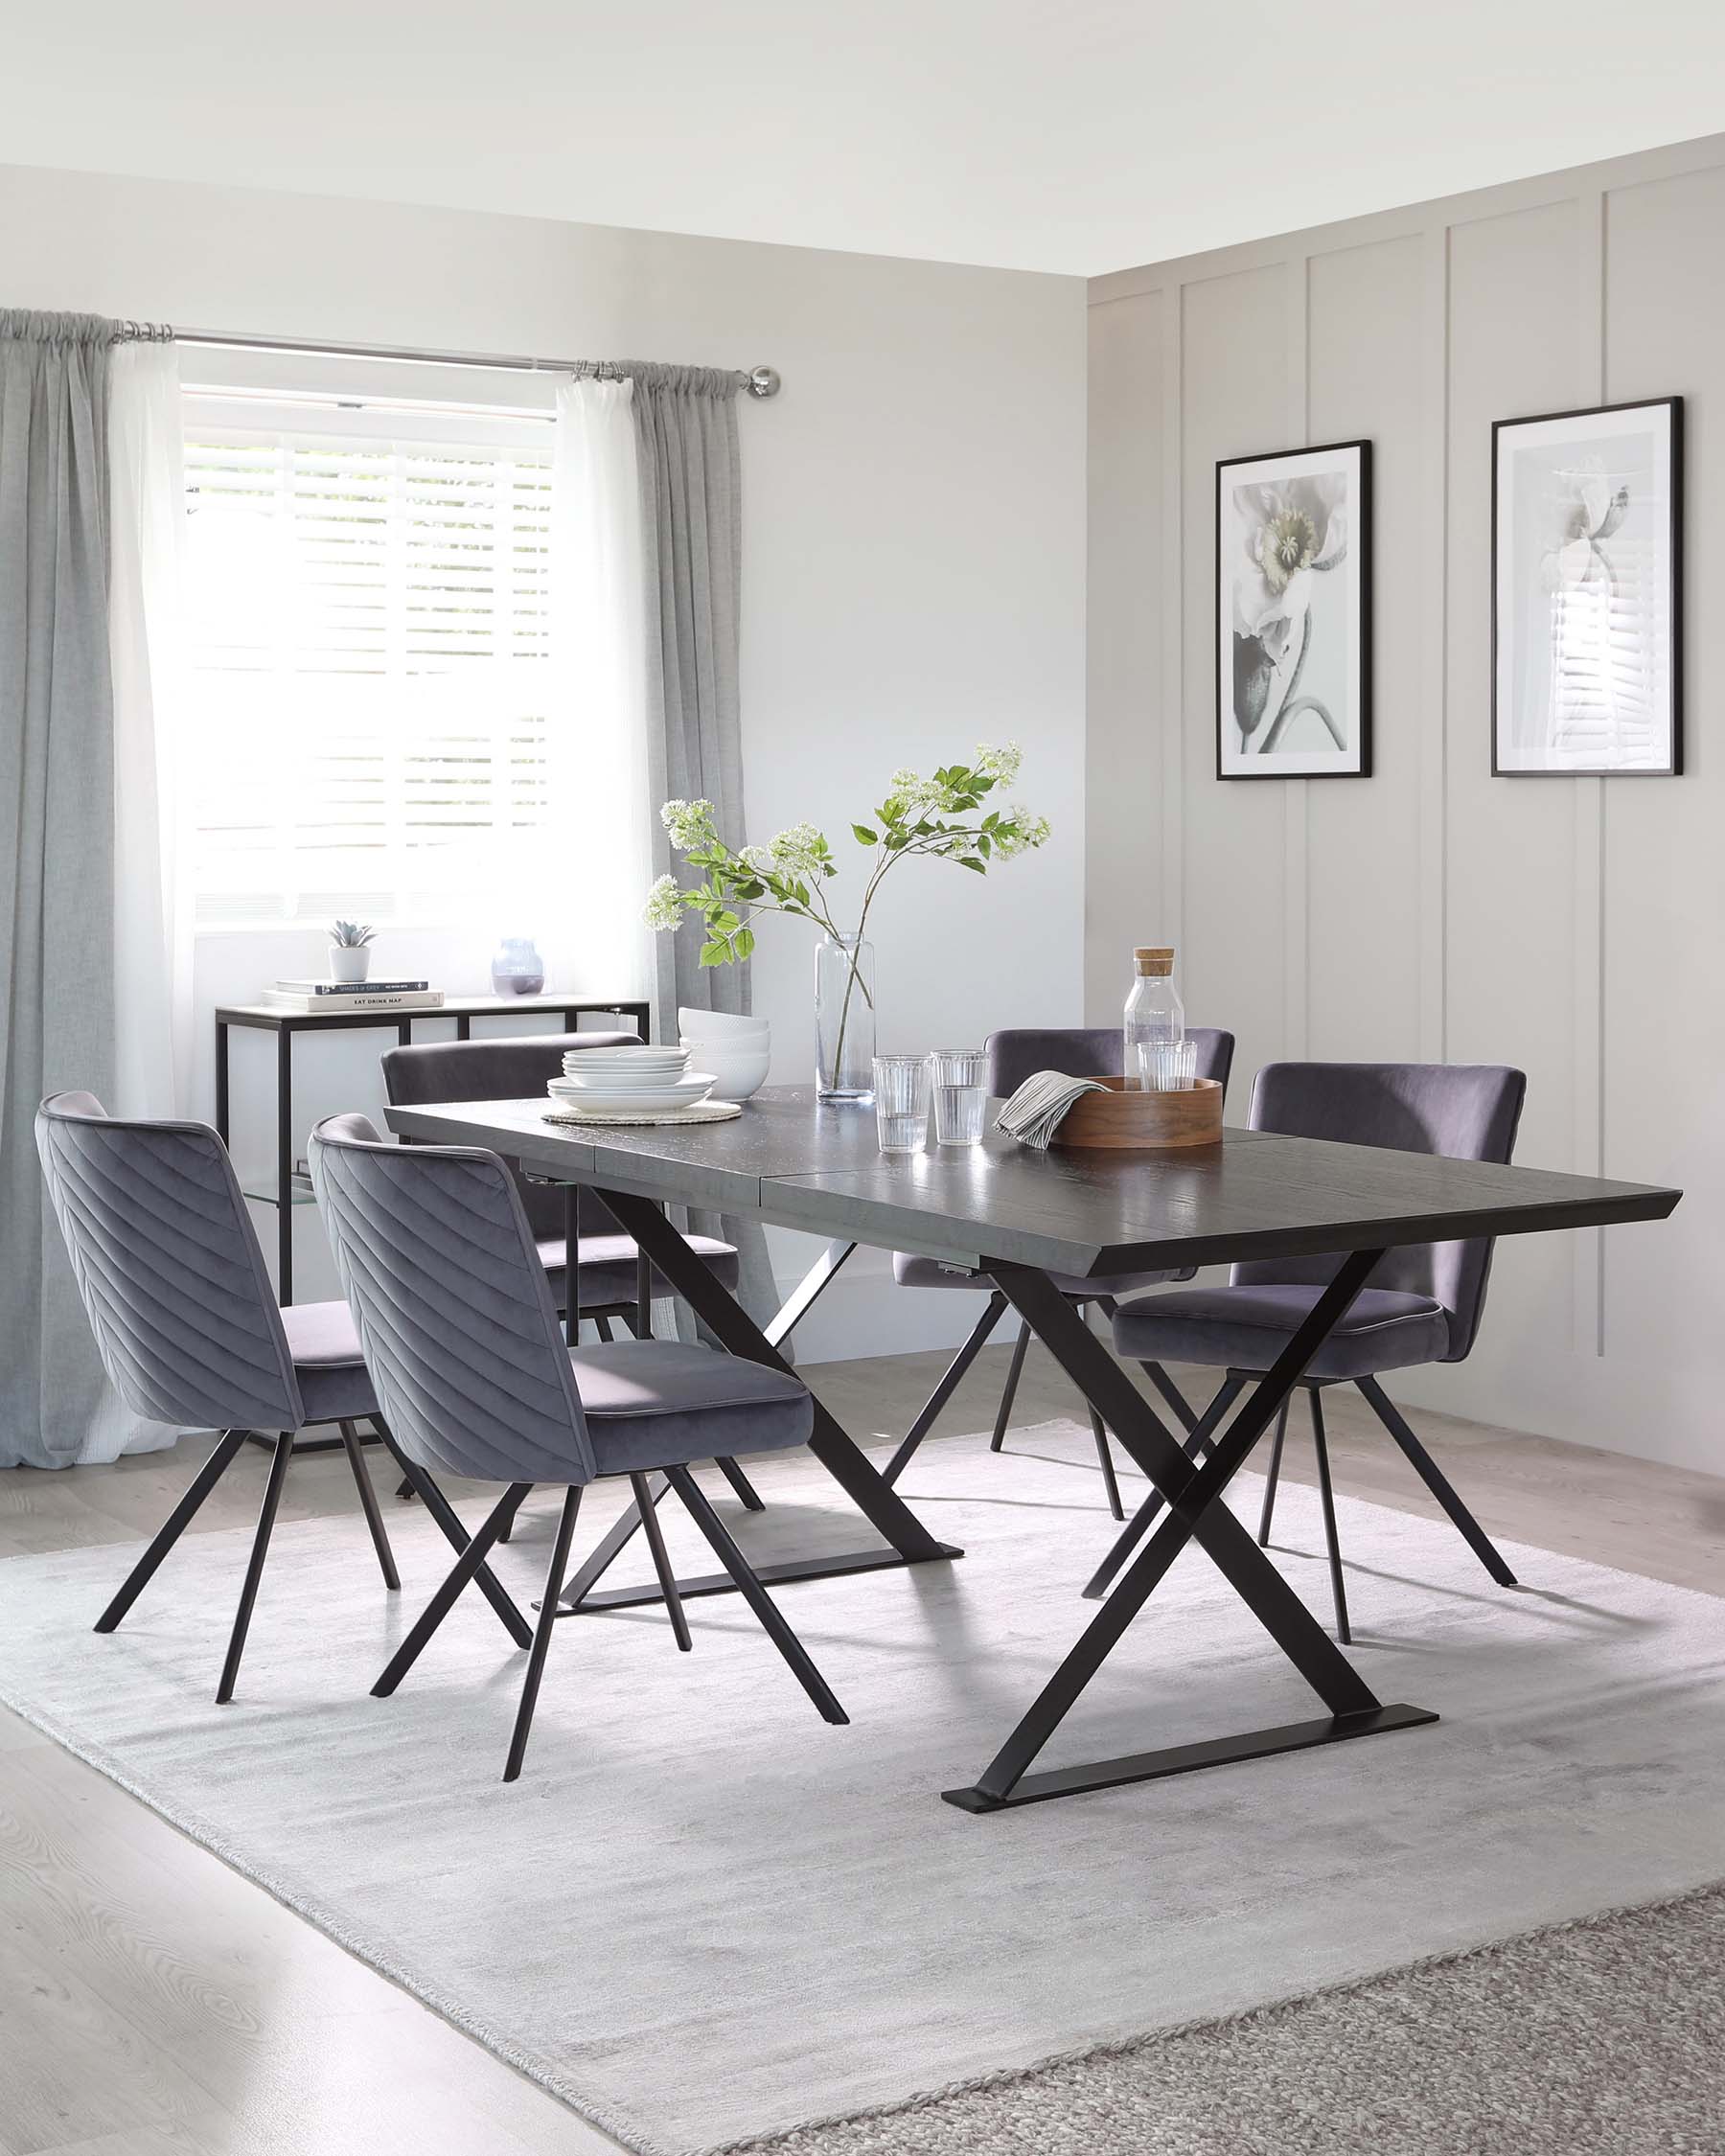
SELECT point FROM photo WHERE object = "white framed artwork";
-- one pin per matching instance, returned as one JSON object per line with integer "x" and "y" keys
{"x": 1586, "y": 593}
{"x": 1293, "y": 613}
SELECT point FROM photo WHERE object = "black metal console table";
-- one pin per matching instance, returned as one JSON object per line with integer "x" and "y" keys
{"x": 286, "y": 1024}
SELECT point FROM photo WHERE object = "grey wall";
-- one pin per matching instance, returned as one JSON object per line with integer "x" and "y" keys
{"x": 1572, "y": 926}
{"x": 913, "y": 576}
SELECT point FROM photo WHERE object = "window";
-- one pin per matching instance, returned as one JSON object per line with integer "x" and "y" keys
{"x": 370, "y": 658}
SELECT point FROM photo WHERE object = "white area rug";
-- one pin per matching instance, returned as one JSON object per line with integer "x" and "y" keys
{"x": 702, "y": 1915}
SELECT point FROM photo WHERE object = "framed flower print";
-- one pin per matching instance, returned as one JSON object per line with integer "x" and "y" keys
{"x": 1293, "y": 615}
{"x": 1586, "y": 593}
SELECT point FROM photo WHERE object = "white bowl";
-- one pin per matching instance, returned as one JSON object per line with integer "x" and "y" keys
{"x": 736, "y": 1073}
{"x": 711, "y": 1025}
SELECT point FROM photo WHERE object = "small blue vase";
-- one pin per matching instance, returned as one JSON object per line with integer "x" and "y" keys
{"x": 517, "y": 967}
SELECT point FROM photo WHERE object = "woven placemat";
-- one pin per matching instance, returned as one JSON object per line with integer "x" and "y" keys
{"x": 705, "y": 1111}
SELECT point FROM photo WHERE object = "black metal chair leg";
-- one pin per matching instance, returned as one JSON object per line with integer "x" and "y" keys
{"x": 1435, "y": 1480}
{"x": 604, "y": 1555}
{"x": 950, "y": 1382}
{"x": 1099, "y": 1431}
{"x": 254, "y": 1568}
{"x": 1337, "y": 1593}
{"x": 368, "y": 1505}
{"x": 403, "y": 1488}
{"x": 1273, "y": 1477}
{"x": 603, "y": 1324}
{"x": 755, "y": 1594}
{"x": 1143, "y": 1519}
{"x": 541, "y": 1633}
{"x": 438, "y": 1506}
{"x": 662, "y": 1562}
{"x": 1109, "y": 1484}
{"x": 171, "y": 1528}
{"x": 470, "y": 1562}
{"x": 752, "y": 1499}
{"x": 1019, "y": 1348}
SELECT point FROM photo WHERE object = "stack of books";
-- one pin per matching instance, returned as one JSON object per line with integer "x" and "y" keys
{"x": 335, "y": 996}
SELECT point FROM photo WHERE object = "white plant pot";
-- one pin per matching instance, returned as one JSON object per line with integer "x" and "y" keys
{"x": 350, "y": 961}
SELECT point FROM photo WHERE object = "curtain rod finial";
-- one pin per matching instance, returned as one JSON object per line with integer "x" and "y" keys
{"x": 763, "y": 381}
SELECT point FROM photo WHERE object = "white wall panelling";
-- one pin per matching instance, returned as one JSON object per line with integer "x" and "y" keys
{"x": 1569, "y": 926}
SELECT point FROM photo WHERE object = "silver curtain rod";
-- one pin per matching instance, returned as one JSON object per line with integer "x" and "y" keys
{"x": 758, "y": 382}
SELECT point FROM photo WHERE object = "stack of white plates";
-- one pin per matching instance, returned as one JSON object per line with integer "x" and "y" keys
{"x": 635, "y": 1064}
{"x": 630, "y": 1081}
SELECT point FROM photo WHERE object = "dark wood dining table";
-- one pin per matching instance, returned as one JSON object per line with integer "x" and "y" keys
{"x": 1020, "y": 1216}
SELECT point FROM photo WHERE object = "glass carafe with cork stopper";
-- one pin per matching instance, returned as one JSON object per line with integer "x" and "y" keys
{"x": 1156, "y": 1057}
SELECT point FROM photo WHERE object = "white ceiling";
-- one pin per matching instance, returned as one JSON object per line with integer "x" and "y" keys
{"x": 1079, "y": 137}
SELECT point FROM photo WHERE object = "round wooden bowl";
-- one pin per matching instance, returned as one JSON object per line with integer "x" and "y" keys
{"x": 1140, "y": 1122}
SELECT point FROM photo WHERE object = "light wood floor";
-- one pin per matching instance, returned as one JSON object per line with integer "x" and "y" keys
{"x": 153, "y": 2001}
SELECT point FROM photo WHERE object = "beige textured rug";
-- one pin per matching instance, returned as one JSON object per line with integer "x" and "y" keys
{"x": 702, "y": 1915}
{"x": 1604, "y": 2037}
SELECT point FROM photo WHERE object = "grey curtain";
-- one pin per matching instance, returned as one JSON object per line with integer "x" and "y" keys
{"x": 56, "y": 889}
{"x": 692, "y": 532}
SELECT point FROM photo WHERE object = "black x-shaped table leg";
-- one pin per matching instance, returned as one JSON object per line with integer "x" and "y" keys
{"x": 909, "y": 1542}
{"x": 1192, "y": 1493}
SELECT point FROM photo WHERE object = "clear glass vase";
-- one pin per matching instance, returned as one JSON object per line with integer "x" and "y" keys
{"x": 845, "y": 1018}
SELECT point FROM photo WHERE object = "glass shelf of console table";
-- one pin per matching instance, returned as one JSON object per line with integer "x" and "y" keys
{"x": 265, "y": 1192}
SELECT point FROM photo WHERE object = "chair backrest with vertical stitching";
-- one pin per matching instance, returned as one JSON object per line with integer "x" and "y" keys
{"x": 1461, "y": 1110}
{"x": 455, "y": 1318}
{"x": 168, "y": 1263}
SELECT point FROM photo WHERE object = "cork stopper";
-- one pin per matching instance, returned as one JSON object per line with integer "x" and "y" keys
{"x": 1154, "y": 959}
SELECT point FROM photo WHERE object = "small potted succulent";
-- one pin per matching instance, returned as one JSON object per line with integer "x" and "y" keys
{"x": 350, "y": 950}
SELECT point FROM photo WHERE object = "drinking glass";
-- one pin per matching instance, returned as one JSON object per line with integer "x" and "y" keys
{"x": 1167, "y": 1067}
{"x": 901, "y": 1090}
{"x": 960, "y": 1096}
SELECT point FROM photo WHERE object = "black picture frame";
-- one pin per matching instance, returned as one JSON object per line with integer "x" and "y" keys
{"x": 1502, "y": 432}
{"x": 1232, "y": 761}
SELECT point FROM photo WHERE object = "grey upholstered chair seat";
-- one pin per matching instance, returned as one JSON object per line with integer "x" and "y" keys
{"x": 608, "y": 1267}
{"x": 912, "y": 1271}
{"x": 325, "y": 1346}
{"x": 648, "y": 1402}
{"x": 1247, "y": 1328}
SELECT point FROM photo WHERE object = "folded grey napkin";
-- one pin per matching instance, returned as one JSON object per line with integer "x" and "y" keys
{"x": 1033, "y": 1114}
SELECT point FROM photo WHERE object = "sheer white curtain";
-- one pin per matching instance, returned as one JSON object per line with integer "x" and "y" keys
{"x": 601, "y": 642}
{"x": 153, "y": 913}
{"x": 152, "y": 910}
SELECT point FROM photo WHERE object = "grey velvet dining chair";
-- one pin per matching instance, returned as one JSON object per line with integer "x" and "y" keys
{"x": 188, "y": 1329}
{"x": 1014, "y": 1055}
{"x": 518, "y": 1069}
{"x": 611, "y": 1281}
{"x": 1423, "y": 1303}
{"x": 461, "y": 1336}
